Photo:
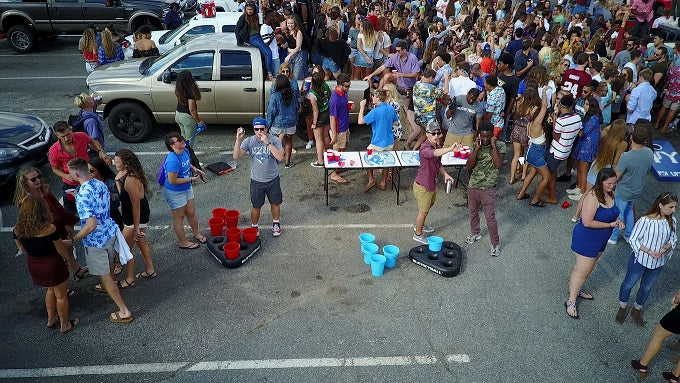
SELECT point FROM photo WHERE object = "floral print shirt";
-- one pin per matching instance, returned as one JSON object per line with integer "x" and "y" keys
{"x": 495, "y": 104}
{"x": 424, "y": 101}
{"x": 94, "y": 200}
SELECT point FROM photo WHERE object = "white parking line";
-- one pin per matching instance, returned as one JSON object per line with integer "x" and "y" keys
{"x": 162, "y": 153}
{"x": 256, "y": 364}
{"x": 8, "y": 229}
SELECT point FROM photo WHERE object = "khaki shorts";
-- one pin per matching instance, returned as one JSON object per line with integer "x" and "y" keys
{"x": 381, "y": 148}
{"x": 341, "y": 140}
{"x": 463, "y": 140}
{"x": 668, "y": 104}
{"x": 99, "y": 259}
{"x": 424, "y": 198}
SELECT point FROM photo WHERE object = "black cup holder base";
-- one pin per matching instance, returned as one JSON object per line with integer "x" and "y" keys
{"x": 446, "y": 262}
{"x": 215, "y": 245}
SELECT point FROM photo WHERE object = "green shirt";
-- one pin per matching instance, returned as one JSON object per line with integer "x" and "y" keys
{"x": 484, "y": 174}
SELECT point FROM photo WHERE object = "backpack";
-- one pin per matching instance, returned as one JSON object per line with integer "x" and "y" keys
{"x": 77, "y": 123}
{"x": 162, "y": 173}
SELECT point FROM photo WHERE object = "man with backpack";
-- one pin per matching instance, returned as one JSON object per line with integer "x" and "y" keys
{"x": 88, "y": 121}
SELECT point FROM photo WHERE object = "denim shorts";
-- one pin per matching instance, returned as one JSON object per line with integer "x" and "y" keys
{"x": 330, "y": 65}
{"x": 536, "y": 156}
{"x": 552, "y": 162}
{"x": 361, "y": 61}
{"x": 177, "y": 199}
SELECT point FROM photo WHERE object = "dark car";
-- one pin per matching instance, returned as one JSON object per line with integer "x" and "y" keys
{"x": 24, "y": 141}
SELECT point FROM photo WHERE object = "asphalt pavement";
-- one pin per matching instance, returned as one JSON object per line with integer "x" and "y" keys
{"x": 305, "y": 308}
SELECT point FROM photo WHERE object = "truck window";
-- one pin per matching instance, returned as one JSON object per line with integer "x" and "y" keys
{"x": 228, "y": 28}
{"x": 197, "y": 30}
{"x": 199, "y": 64}
{"x": 236, "y": 66}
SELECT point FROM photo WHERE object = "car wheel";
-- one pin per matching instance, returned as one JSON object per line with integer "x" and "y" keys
{"x": 130, "y": 122}
{"x": 22, "y": 38}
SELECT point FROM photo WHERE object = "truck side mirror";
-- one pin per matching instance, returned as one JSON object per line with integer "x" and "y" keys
{"x": 167, "y": 76}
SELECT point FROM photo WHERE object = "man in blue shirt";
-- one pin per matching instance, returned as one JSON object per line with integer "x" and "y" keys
{"x": 641, "y": 98}
{"x": 173, "y": 18}
{"x": 515, "y": 45}
{"x": 380, "y": 118}
{"x": 99, "y": 235}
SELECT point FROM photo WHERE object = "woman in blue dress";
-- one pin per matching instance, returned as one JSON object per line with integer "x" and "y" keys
{"x": 586, "y": 146}
{"x": 590, "y": 235}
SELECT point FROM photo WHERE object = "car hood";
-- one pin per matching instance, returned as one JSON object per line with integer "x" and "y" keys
{"x": 17, "y": 129}
{"x": 118, "y": 72}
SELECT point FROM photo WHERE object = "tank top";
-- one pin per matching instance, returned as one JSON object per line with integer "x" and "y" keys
{"x": 327, "y": 93}
{"x": 126, "y": 205}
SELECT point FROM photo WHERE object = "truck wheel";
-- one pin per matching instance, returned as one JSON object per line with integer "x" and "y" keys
{"x": 130, "y": 122}
{"x": 22, "y": 38}
{"x": 154, "y": 24}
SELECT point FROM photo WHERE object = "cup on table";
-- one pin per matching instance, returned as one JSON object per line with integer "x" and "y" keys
{"x": 350, "y": 105}
{"x": 71, "y": 194}
{"x": 466, "y": 148}
{"x": 329, "y": 155}
{"x": 456, "y": 153}
{"x": 336, "y": 156}
{"x": 369, "y": 150}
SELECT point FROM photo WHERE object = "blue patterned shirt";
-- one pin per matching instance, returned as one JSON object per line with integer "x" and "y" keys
{"x": 118, "y": 55}
{"x": 93, "y": 200}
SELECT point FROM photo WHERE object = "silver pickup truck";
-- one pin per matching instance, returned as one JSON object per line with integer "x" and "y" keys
{"x": 138, "y": 93}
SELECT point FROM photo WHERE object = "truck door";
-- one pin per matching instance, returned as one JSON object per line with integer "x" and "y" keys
{"x": 66, "y": 15}
{"x": 239, "y": 92}
{"x": 200, "y": 64}
{"x": 96, "y": 12}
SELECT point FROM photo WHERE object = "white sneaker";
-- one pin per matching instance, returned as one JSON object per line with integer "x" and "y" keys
{"x": 495, "y": 251}
{"x": 276, "y": 229}
{"x": 292, "y": 150}
{"x": 575, "y": 197}
{"x": 574, "y": 191}
{"x": 420, "y": 238}
{"x": 309, "y": 145}
{"x": 611, "y": 242}
{"x": 426, "y": 229}
{"x": 472, "y": 238}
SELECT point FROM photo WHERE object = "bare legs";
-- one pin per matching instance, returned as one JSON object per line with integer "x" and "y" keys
{"x": 518, "y": 150}
{"x": 371, "y": 180}
{"x": 56, "y": 302}
{"x": 420, "y": 222}
{"x": 323, "y": 141}
{"x": 144, "y": 248}
{"x": 582, "y": 269}
{"x": 287, "y": 142}
{"x": 582, "y": 175}
{"x": 112, "y": 289}
{"x": 670, "y": 115}
{"x": 545, "y": 179}
{"x": 188, "y": 211}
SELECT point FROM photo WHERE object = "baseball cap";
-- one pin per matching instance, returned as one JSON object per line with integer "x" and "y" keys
{"x": 432, "y": 126}
{"x": 486, "y": 48}
{"x": 287, "y": 6}
{"x": 259, "y": 121}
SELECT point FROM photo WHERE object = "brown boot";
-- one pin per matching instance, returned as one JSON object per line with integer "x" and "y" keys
{"x": 621, "y": 315}
{"x": 637, "y": 316}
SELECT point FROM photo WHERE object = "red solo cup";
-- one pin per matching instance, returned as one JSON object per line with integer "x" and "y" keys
{"x": 565, "y": 204}
{"x": 329, "y": 156}
{"x": 466, "y": 148}
{"x": 341, "y": 164}
{"x": 231, "y": 218}
{"x": 216, "y": 224}
{"x": 464, "y": 155}
{"x": 336, "y": 156}
{"x": 249, "y": 235}
{"x": 231, "y": 250}
{"x": 219, "y": 212}
{"x": 369, "y": 150}
{"x": 70, "y": 194}
{"x": 350, "y": 105}
{"x": 456, "y": 153}
{"x": 233, "y": 234}
{"x": 278, "y": 29}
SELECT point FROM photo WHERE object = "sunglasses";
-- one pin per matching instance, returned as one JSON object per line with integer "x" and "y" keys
{"x": 38, "y": 177}
{"x": 437, "y": 133}
{"x": 258, "y": 129}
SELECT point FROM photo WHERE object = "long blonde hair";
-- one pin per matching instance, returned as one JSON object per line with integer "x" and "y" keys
{"x": 88, "y": 42}
{"x": 21, "y": 191}
{"x": 609, "y": 144}
{"x": 108, "y": 44}
{"x": 34, "y": 217}
{"x": 369, "y": 33}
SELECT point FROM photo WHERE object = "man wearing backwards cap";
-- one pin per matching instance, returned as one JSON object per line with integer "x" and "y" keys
{"x": 488, "y": 64}
{"x": 265, "y": 154}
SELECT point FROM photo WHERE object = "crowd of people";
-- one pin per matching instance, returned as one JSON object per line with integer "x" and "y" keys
{"x": 571, "y": 87}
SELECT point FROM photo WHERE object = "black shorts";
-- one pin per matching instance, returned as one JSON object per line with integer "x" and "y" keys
{"x": 324, "y": 118}
{"x": 272, "y": 189}
{"x": 553, "y": 163}
{"x": 671, "y": 321}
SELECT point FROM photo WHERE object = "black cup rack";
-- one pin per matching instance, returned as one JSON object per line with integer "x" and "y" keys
{"x": 247, "y": 250}
{"x": 446, "y": 262}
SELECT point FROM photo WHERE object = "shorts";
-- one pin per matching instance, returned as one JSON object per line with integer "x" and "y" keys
{"x": 405, "y": 98}
{"x": 536, "y": 156}
{"x": 552, "y": 162}
{"x": 272, "y": 189}
{"x": 341, "y": 140}
{"x": 361, "y": 61}
{"x": 354, "y": 53}
{"x": 177, "y": 199}
{"x": 323, "y": 120}
{"x": 668, "y": 104}
{"x": 466, "y": 140}
{"x": 275, "y": 130}
{"x": 381, "y": 148}
{"x": 671, "y": 321}
{"x": 424, "y": 198}
{"x": 330, "y": 65}
{"x": 99, "y": 259}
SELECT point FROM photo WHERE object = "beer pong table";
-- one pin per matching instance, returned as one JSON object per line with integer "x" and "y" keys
{"x": 381, "y": 160}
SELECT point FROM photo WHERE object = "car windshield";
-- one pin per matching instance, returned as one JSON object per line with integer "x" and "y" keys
{"x": 171, "y": 34}
{"x": 151, "y": 64}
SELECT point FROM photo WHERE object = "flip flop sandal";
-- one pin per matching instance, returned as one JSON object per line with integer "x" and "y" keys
{"x": 144, "y": 274}
{"x": 538, "y": 204}
{"x": 69, "y": 292}
{"x": 526, "y": 196}
{"x": 116, "y": 318}
{"x": 74, "y": 322}
{"x": 77, "y": 276}
{"x": 204, "y": 240}
{"x": 571, "y": 304}
{"x": 127, "y": 284}
{"x": 190, "y": 247}
{"x": 99, "y": 287}
{"x": 585, "y": 295}
{"x": 117, "y": 268}
{"x": 54, "y": 325}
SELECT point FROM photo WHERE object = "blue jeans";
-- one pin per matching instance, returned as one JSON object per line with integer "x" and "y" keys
{"x": 256, "y": 41}
{"x": 276, "y": 63}
{"x": 625, "y": 216}
{"x": 633, "y": 274}
{"x": 299, "y": 64}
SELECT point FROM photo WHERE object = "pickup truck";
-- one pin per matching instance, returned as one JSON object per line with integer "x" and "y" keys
{"x": 25, "y": 21}
{"x": 141, "y": 92}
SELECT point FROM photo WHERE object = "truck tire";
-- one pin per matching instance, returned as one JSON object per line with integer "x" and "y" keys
{"x": 22, "y": 38}
{"x": 130, "y": 122}
{"x": 153, "y": 23}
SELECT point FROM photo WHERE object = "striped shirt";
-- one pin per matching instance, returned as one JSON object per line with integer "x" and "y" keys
{"x": 652, "y": 234}
{"x": 567, "y": 126}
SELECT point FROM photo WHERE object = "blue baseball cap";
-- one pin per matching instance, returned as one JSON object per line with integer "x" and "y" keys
{"x": 259, "y": 121}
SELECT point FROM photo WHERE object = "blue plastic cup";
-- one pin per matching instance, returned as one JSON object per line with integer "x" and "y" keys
{"x": 391, "y": 252}
{"x": 366, "y": 238}
{"x": 434, "y": 243}
{"x": 368, "y": 249}
{"x": 377, "y": 265}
